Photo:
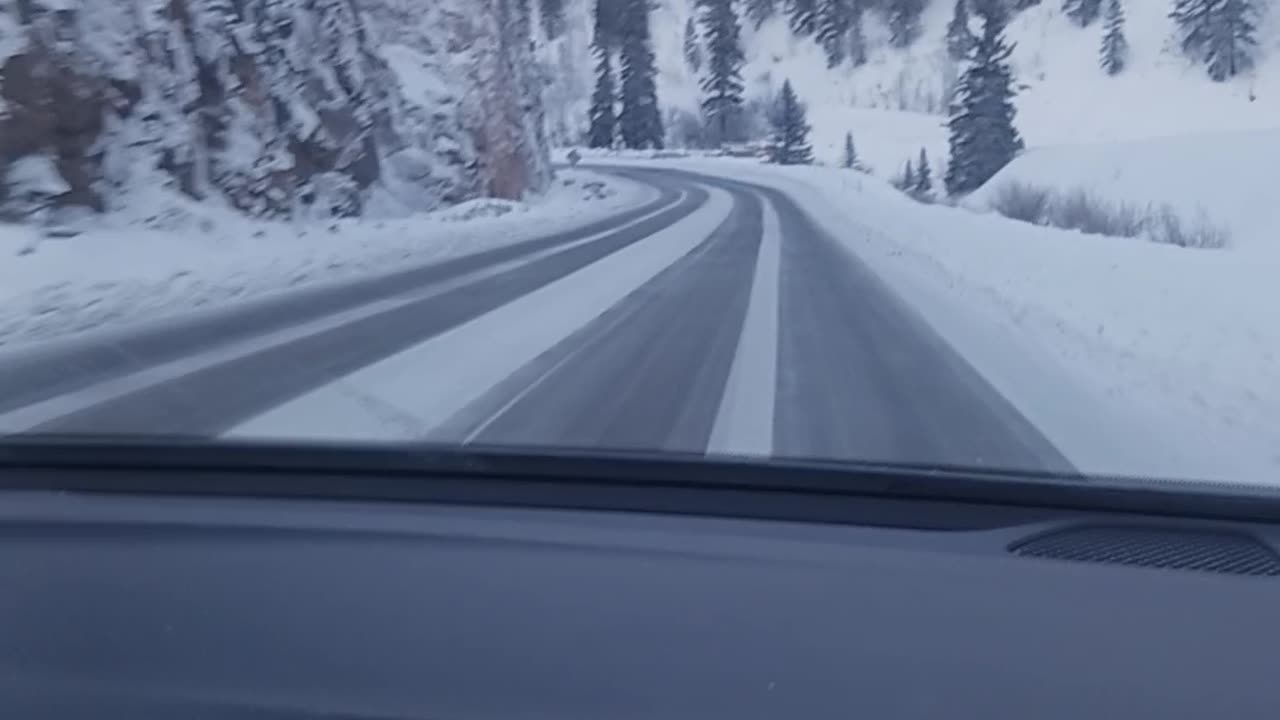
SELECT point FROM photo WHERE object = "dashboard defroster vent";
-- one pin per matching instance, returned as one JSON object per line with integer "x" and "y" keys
{"x": 1228, "y": 553}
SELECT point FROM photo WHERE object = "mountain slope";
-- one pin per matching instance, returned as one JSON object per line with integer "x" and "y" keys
{"x": 895, "y": 103}
{"x": 275, "y": 108}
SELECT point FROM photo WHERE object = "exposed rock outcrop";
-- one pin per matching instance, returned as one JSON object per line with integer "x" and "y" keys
{"x": 278, "y": 108}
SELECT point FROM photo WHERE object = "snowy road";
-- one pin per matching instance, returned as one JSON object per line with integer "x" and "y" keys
{"x": 717, "y": 318}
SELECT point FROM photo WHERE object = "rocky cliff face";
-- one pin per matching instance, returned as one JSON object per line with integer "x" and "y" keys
{"x": 277, "y": 108}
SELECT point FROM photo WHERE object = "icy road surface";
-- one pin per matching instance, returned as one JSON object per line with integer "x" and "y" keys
{"x": 716, "y": 318}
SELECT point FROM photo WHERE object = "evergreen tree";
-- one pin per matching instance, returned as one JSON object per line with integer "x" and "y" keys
{"x": 1115, "y": 48}
{"x": 553, "y": 17}
{"x": 923, "y": 184}
{"x": 1083, "y": 12}
{"x": 960, "y": 39}
{"x": 1219, "y": 33}
{"x": 982, "y": 136}
{"x": 722, "y": 85}
{"x": 640, "y": 122}
{"x": 834, "y": 22}
{"x": 803, "y": 15}
{"x": 692, "y": 47}
{"x": 605, "y": 31}
{"x": 603, "y": 118}
{"x": 857, "y": 40}
{"x": 1024, "y": 4}
{"x": 790, "y": 142}
{"x": 907, "y": 182}
{"x": 760, "y": 10}
{"x": 850, "y": 159}
{"x": 904, "y": 21}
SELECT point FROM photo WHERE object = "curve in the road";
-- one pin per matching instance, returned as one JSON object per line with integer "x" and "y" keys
{"x": 47, "y": 394}
{"x": 649, "y": 373}
{"x": 859, "y": 375}
{"x": 66, "y": 365}
{"x": 805, "y": 353}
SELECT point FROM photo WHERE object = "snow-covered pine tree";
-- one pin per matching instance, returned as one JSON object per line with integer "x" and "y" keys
{"x": 857, "y": 39}
{"x": 850, "y": 159}
{"x": 903, "y": 17}
{"x": 604, "y": 119}
{"x": 640, "y": 121}
{"x": 552, "y": 12}
{"x": 722, "y": 84}
{"x": 760, "y": 10}
{"x": 1219, "y": 33}
{"x": 692, "y": 47}
{"x": 605, "y": 23}
{"x": 907, "y": 182}
{"x": 789, "y": 144}
{"x": 1019, "y": 5}
{"x": 923, "y": 186}
{"x": 803, "y": 16}
{"x": 1115, "y": 48}
{"x": 982, "y": 136}
{"x": 960, "y": 39}
{"x": 1083, "y": 12}
{"x": 834, "y": 21}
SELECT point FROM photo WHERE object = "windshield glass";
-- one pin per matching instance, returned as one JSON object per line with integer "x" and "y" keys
{"x": 1006, "y": 235}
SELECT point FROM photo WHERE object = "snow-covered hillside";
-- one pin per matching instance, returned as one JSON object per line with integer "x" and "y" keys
{"x": 895, "y": 104}
{"x": 276, "y": 108}
{"x": 1226, "y": 179}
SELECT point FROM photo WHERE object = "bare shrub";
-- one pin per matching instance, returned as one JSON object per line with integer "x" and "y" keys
{"x": 1168, "y": 228}
{"x": 1020, "y": 201}
{"x": 1083, "y": 211}
{"x": 1079, "y": 210}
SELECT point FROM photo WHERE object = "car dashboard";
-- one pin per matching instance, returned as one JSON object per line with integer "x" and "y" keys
{"x": 145, "y": 605}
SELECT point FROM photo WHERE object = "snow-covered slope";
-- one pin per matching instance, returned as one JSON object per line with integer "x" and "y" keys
{"x": 276, "y": 108}
{"x": 1227, "y": 179}
{"x": 894, "y": 104}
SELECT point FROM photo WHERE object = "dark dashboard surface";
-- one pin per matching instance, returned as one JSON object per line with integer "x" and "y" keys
{"x": 145, "y": 606}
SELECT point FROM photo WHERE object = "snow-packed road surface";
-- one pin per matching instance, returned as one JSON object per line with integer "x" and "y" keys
{"x": 716, "y": 318}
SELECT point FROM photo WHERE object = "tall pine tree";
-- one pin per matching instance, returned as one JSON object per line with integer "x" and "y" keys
{"x": 850, "y": 158}
{"x": 982, "y": 136}
{"x": 692, "y": 47}
{"x": 552, "y": 12}
{"x": 960, "y": 39}
{"x": 605, "y": 27}
{"x": 1115, "y": 48}
{"x": 789, "y": 144}
{"x": 904, "y": 21}
{"x": 857, "y": 39}
{"x": 803, "y": 16}
{"x": 1083, "y": 12}
{"x": 923, "y": 186}
{"x": 640, "y": 122}
{"x": 760, "y": 10}
{"x": 907, "y": 182}
{"x": 722, "y": 84}
{"x": 1220, "y": 33}
{"x": 604, "y": 120}
{"x": 834, "y": 21}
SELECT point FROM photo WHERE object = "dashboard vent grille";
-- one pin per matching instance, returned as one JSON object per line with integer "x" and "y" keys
{"x": 1157, "y": 548}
